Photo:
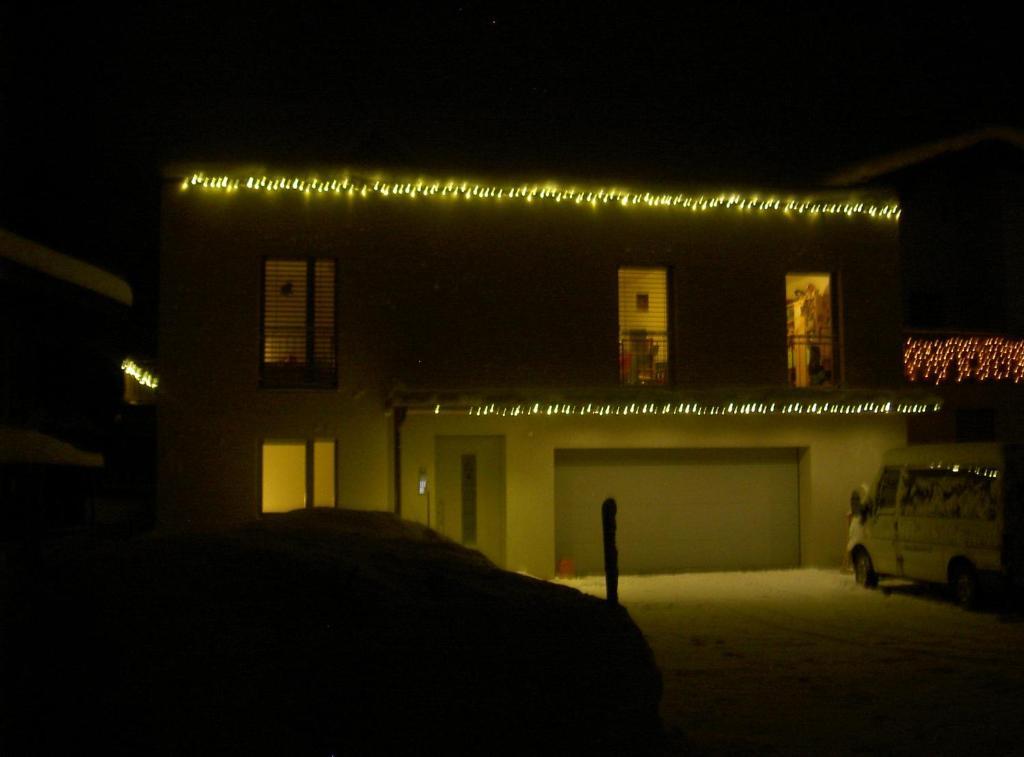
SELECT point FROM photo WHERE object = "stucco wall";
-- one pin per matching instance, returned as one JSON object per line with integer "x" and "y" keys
{"x": 209, "y": 457}
{"x": 211, "y": 414}
{"x": 436, "y": 293}
{"x": 455, "y": 294}
{"x": 837, "y": 454}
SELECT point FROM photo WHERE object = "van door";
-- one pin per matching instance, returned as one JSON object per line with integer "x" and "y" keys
{"x": 945, "y": 513}
{"x": 881, "y": 528}
{"x": 927, "y": 534}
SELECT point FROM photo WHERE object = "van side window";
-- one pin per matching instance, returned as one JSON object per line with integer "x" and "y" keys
{"x": 887, "y": 485}
{"x": 950, "y": 494}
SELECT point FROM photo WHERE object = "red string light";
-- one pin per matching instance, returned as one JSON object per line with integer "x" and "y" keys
{"x": 940, "y": 360}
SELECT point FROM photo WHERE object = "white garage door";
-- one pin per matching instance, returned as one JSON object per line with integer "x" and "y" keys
{"x": 679, "y": 509}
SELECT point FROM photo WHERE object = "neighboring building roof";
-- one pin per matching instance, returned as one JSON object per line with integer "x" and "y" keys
{"x": 19, "y": 446}
{"x": 64, "y": 267}
{"x": 897, "y": 161}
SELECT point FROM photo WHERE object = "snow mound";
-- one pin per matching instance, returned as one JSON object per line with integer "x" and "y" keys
{"x": 319, "y": 633}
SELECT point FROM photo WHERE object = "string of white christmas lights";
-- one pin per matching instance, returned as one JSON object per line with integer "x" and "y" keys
{"x": 977, "y": 470}
{"x": 140, "y": 374}
{"x": 547, "y": 192}
{"x": 696, "y": 408}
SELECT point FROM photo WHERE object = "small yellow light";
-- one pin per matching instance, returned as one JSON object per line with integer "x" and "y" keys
{"x": 138, "y": 373}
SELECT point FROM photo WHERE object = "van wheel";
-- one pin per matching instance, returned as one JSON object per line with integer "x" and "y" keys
{"x": 863, "y": 570}
{"x": 964, "y": 583}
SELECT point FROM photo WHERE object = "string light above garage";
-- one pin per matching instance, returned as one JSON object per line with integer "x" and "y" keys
{"x": 750, "y": 408}
{"x": 801, "y": 407}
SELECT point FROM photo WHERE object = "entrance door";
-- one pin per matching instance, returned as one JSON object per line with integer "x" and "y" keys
{"x": 471, "y": 492}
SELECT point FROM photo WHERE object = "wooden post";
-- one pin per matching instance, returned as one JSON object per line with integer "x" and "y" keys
{"x": 611, "y": 554}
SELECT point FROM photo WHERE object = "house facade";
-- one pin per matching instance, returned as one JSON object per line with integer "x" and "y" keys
{"x": 496, "y": 358}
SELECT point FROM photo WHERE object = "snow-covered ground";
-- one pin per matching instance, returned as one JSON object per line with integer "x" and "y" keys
{"x": 806, "y": 662}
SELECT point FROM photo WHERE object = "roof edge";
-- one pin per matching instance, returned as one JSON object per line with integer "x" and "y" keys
{"x": 242, "y": 170}
{"x": 884, "y": 165}
{"x": 64, "y": 267}
{"x": 25, "y": 446}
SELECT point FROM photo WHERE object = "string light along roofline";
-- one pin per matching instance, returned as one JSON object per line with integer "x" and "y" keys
{"x": 543, "y": 193}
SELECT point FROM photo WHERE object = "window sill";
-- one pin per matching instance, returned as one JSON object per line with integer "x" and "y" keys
{"x": 298, "y": 377}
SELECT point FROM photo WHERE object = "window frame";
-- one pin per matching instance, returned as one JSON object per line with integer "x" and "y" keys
{"x": 669, "y": 373}
{"x": 309, "y": 474}
{"x": 836, "y": 328}
{"x": 315, "y": 374}
{"x": 888, "y": 472}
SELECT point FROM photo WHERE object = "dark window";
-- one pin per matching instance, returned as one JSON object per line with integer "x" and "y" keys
{"x": 885, "y": 499}
{"x": 975, "y": 425}
{"x": 926, "y": 310}
{"x": 298, "y": 324}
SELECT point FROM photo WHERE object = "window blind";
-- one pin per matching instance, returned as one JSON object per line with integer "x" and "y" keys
{"x": 643, "y": 301}
{"x": 285, "y": 302}
{"x": 299, "y": 322}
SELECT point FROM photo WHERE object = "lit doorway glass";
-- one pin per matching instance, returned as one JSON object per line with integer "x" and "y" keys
{"x": 810, "y": 336}
{"x": 297, "y": 474}
{"x": 284, "y": 476}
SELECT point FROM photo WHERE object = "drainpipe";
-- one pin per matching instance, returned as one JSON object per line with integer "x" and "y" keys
{"x": 399, "y": 417}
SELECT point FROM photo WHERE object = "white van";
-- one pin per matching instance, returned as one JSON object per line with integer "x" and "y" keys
{"x": 946, "y": 514}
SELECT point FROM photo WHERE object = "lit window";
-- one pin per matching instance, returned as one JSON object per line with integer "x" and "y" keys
{"x": 284, "y": 476}
{"x": 298, "y": 324}
{"x": 643, "y": 325}
{"x": 809, "y": 333}
{"x": 324, "y": 465}
{"x": 297, "y": 474}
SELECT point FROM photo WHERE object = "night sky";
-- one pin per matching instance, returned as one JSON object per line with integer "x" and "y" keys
{"x": 710, "y": 94}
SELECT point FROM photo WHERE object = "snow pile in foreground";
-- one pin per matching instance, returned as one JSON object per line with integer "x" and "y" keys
{"x": 317, "y": 633}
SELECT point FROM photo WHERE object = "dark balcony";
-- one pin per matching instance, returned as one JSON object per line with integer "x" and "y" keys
{"x": 643, "y": 357}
